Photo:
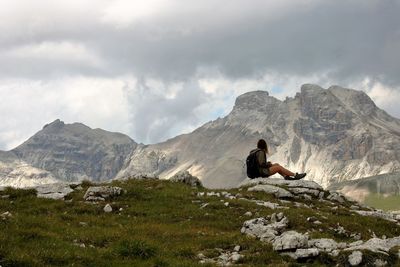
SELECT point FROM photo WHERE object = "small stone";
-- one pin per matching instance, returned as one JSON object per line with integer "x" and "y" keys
{"x": 380, "y": 263}
{"x": 82, "y": 245}
{"x": 204, "y": 205}
{"x": 201, "y": 256}
{"x": 226, "y": 204}
{"x": 317, "y": 222}
{"x": 5, "y": 196}
{"x": 237, "y": 248}
{"x": 200, "y": 194}
{"x": 249, "y": 214}
{"x": 355, "y": 258}
{"x": 235, "y": 257}
{"x": 121, "y": 209}
{"x": 334, "y": 253}
{"x": 83, "y": 223}
{"x": 107, "y": 208}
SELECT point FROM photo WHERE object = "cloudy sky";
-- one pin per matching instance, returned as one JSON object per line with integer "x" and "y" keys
{"x": 157, "y": 68}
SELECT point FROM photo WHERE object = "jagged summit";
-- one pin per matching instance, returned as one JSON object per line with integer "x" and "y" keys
{"x": 332, "y": 134}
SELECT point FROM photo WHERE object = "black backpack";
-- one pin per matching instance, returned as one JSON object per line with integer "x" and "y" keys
{"x": 252, "y": 166}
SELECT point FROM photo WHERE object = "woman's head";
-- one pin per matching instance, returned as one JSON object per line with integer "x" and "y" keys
{"x": 261, "y": 144}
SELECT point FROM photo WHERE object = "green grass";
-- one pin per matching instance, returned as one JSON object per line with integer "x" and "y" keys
{"x": 381, "y": 202}
{"x": 160, "y": 224}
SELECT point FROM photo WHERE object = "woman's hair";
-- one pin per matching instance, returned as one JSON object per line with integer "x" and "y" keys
{"x": 261, "y": 144}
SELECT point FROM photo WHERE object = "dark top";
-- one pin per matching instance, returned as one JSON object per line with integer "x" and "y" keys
{"x": 262, "y": 162}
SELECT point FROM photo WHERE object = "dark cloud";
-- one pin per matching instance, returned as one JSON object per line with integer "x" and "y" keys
{"x": 347, "y": 39}
{"x": 180, "y": 42}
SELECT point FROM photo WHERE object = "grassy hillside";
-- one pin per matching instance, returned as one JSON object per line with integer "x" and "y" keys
{"x": 160, "y": 223}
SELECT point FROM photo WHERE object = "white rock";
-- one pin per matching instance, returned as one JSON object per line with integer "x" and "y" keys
{"x": 355, "y": 258}
{"x": 226, "y": 204}
{"x": 237, "y": 248}
{"x": 290, "y": 240}
{"x": 281, "y": 182}
{"x": 380, "y": 263}
{"x": 107, "y": 208}
{"x": 379, "y": 214}
{"x": 235, "y": 257}
{"x": 102, "y": 191}
{"x": 302, "y": 190}
{"x": 323, "y": 244}
{"x": 249, "y": 214}
{"x": 264, "y": 228}
{"x": 6, "y": 215}
{"x": 334, "y": 196}
{"x": 377, "y": 245}
{"x": 306, "y": 253}
{"x": 187, "y": 178}
{"x": 53, "y": 191}
{"x": 204, "y": 205}
{"x": 267, "y": 204}
{"x": 269, "y": 189}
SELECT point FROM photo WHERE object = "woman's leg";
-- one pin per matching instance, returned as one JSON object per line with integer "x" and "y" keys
{"x": 276, "y": 168}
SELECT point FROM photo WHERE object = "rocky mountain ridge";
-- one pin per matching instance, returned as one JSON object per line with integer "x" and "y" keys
{"x": 66, "y": 152}
{"x": 333, "y": 134}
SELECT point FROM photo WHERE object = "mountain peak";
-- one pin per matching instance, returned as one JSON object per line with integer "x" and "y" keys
{"x": 254, "y": 100}
{"x": 57, "y": 124}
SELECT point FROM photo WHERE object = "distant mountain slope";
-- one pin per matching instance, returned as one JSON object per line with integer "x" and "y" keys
{"x": 17, "y": 173}
{"x": 333, "y": 135}
{"x": 383, "y": 185}
{"x": 75, "y": 152}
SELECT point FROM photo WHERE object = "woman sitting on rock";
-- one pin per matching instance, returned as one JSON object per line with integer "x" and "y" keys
{"x": 266, "y": 168}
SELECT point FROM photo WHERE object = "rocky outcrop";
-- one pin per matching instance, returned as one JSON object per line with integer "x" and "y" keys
{"x": 101, "y": 193}
{"x": 186, "y": 178}
{"x": 270, "y": 189}
{"x": 53, "y": 191}
{"x": 75, "y": 152}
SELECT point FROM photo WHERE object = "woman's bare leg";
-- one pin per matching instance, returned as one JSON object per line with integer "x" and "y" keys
{"x": 276, "y": 168}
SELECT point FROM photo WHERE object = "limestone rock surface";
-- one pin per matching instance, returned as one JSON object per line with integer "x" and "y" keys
{"x": 187, "y": 178}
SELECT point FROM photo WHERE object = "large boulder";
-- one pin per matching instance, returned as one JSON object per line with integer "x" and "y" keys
{"x": 290, "y": 240}
{"x": 53, "y": 191}
{"x": 266, "y": 228}
{"x": 269, "y": 189}
{"x": 100, "y": 193}
{"x": 187, "y": 178}
{"x": 281, "y": 182}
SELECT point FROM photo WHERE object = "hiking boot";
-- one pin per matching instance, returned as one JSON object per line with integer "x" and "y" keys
{"x": 297, "y": 176}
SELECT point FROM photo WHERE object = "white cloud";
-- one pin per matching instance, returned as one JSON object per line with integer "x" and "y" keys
{"x": 26, "y": 106}
{"x": 59, "y": 52}
{"x": 385, "y": 97}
